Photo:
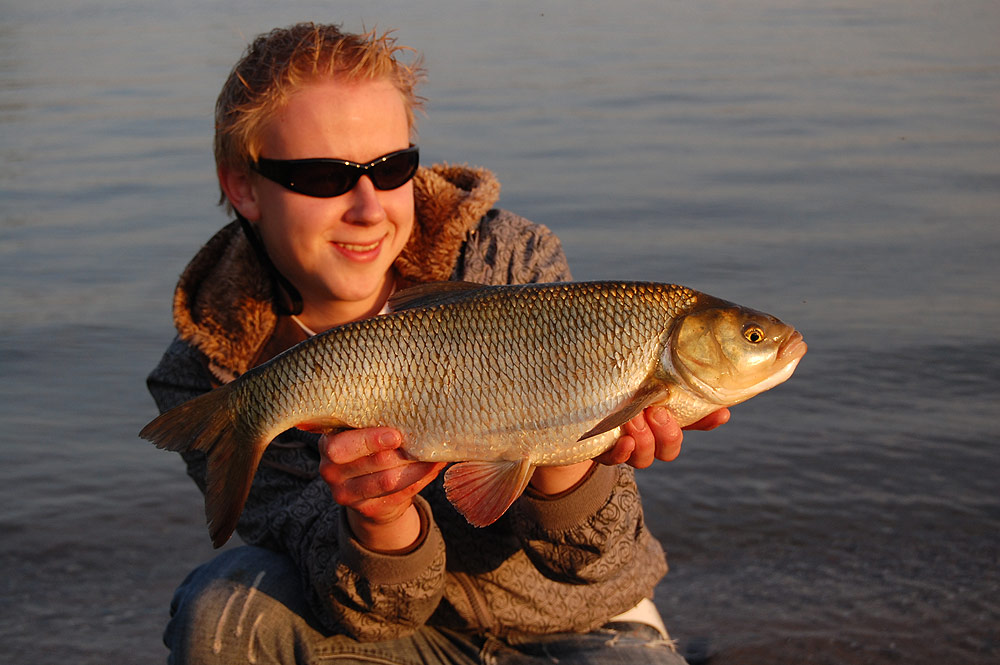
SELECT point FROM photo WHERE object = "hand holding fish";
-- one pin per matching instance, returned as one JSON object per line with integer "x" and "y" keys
{"x": 375, "y": 481}
{"x": 651, "y": 435}
{"x": 654, "y": 434}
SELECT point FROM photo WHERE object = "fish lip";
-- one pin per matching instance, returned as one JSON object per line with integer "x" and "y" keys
{"x": 793, "y": 348}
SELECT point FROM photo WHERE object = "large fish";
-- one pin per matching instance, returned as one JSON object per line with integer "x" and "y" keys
{"x": 499, "y": 379}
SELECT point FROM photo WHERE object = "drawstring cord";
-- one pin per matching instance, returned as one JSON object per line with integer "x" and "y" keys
{"x": 279, "y": 282}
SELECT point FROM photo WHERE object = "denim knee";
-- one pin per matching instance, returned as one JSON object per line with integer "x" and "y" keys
{"x": 244, "y": 606}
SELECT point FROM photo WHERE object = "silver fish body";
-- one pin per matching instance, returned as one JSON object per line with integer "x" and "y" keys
{"x": 499, "y": 378}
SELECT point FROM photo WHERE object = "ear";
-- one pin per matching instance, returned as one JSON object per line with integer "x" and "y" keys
{"x": 240, "y": 191}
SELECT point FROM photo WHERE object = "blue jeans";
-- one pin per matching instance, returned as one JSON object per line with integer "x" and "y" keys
{"x": 247, "y": 606}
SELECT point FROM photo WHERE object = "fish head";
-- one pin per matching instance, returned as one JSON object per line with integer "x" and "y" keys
{"x": 726, "y": 353}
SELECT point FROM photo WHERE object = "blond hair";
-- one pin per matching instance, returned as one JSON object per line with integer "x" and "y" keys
{"x": 279, "y": 62}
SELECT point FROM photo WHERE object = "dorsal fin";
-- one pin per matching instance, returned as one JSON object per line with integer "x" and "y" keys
{"x": 431, "y": 294}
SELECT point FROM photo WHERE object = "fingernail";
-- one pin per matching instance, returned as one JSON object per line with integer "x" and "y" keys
{"x": 658, "y": 416}
{"x": 388, "y": 438}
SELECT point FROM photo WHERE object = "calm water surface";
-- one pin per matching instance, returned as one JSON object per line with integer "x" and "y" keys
{"x": 835, "y": 163}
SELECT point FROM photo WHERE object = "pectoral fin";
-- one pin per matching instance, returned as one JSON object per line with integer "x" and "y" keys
{"x": 483, "y": 491}
{"x": 651, "y": 392}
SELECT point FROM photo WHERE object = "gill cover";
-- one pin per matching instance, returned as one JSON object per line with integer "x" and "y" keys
{"x": 729, "y": 353}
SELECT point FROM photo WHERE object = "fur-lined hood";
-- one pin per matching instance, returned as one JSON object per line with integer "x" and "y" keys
{"x": 224, "y": 305}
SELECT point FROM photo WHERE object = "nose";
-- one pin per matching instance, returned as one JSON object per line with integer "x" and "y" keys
{"x": 365, "y": 206}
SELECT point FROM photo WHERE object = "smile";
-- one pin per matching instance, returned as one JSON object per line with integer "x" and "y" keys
{"x": 359, "y": 252}
{"x": 351, "y": 247}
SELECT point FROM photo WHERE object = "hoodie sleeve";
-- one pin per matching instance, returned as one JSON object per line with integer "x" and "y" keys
{"x": 354, "y": 591}
{"x": 591, "y": 534}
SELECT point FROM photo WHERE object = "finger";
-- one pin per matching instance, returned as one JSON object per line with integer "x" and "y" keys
{"x": 619, "y": 453}
{"x": 383, "y": 460}
{"x": 666, "y": 432}
{"x": 388, "y": 508}
{"x": 401, "y": 482}
{"x": 353, "y": 444}
{"x": 711, "y": 421}
{"x": 420, "y": 483}
{"x": 645, "y": 442}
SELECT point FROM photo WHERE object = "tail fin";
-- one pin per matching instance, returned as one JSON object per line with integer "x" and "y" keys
{"x": 206, "y": 423}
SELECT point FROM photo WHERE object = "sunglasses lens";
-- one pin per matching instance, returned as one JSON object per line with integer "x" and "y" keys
{"x": 322, "y": 180}
{"x": 395, "y": 171}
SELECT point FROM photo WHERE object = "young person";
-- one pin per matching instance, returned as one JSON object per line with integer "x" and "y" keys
{"x": 352, "y": 547}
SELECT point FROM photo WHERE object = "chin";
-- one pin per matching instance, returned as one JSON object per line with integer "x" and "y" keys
{"x": 356, "y": 292}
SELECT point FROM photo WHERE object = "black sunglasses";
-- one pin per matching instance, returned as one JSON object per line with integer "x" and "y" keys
{"x": 326, "y": 178}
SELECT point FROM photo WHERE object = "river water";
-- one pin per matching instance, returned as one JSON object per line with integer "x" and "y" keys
{"x": 834, "y": 163}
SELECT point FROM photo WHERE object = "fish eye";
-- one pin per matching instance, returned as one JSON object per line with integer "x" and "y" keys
{"x": 753, "y": 333}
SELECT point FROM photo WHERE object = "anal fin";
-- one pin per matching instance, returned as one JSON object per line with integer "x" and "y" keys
{"x": 483, "y": 491}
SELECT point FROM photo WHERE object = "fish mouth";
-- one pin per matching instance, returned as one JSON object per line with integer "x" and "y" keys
{"x": 793, "y": 348}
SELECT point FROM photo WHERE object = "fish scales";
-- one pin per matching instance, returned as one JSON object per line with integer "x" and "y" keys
{"x": 512, "y": 376}
{"x": 388, "y": 371}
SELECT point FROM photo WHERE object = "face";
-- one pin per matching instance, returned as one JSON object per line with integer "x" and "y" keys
{"x": 338, "y": 251}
